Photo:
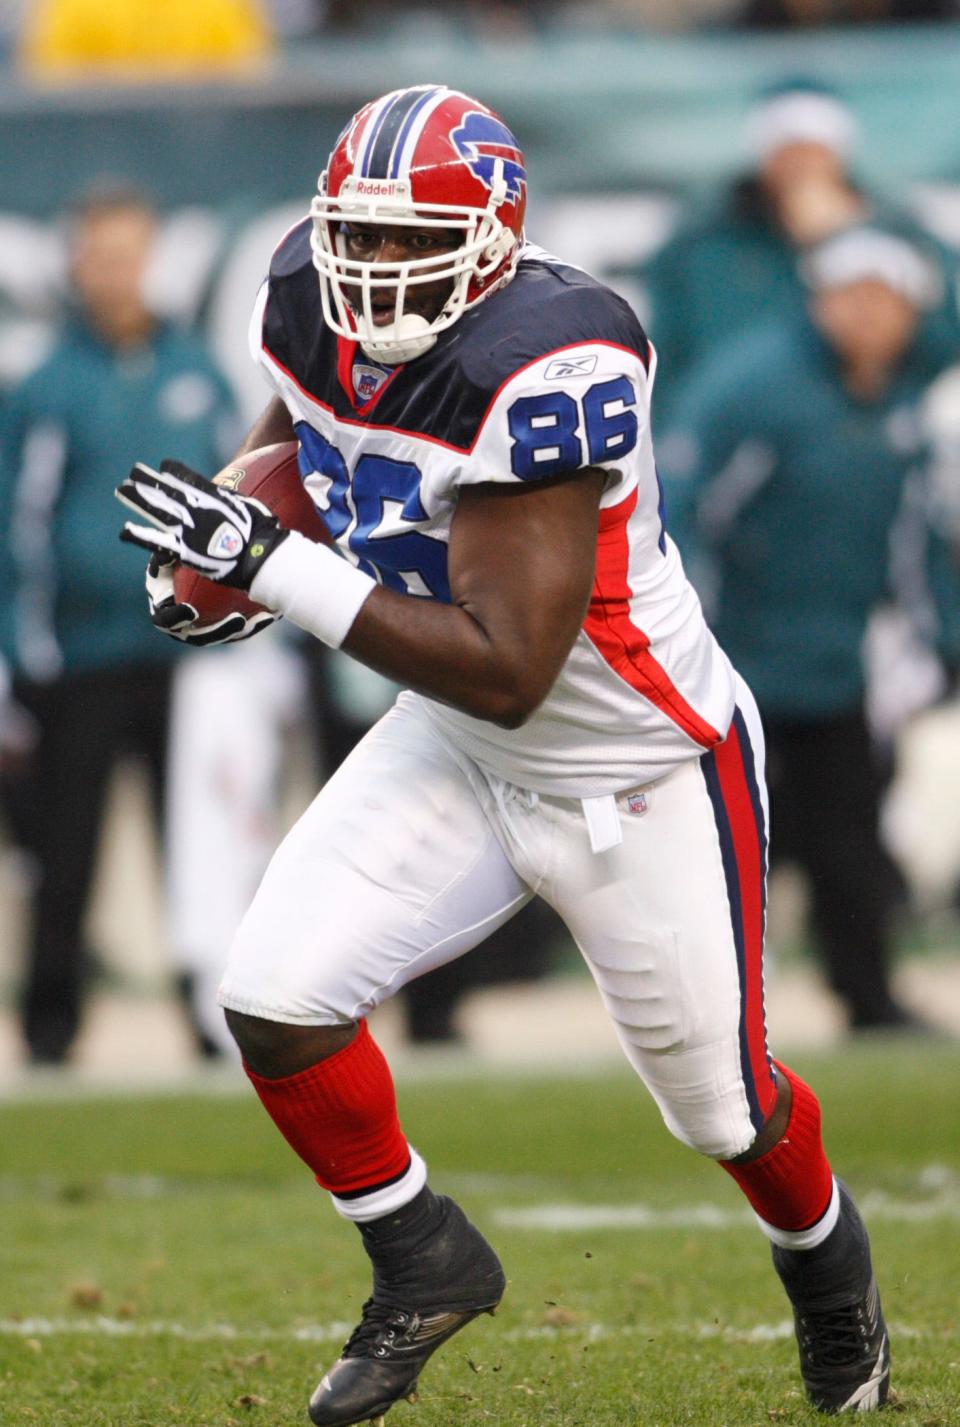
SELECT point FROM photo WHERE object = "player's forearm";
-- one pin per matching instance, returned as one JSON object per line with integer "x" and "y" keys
{"x": 444, "y": 651}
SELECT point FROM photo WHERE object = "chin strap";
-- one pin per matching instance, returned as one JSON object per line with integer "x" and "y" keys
{"x": 409, "y": 338}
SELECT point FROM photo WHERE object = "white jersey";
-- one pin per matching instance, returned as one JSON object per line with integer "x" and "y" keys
{"x": 549, "y": 375}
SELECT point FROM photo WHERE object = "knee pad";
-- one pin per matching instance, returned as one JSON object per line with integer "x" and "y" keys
{"x": 700, "y": 1094}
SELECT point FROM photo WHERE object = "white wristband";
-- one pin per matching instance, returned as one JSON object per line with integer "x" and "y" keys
{"x": 314, "y": 586}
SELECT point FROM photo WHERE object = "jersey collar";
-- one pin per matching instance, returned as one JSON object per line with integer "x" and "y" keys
{"x": 346, "y": 356}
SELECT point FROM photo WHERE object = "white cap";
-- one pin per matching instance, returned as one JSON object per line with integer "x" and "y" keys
{"x": 859, "y": 253}
{"x": 800, "y": 116}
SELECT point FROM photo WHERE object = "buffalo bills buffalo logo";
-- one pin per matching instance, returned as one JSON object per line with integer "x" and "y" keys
{"x": 480, "y": 140}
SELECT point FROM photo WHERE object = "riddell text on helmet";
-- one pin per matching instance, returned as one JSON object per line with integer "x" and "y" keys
{"x": 375, "y": 189}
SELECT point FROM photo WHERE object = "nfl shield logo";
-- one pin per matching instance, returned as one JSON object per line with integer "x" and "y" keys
{"x": 226, "y": 542}
{"x": 637, "y": 802}
{"x": 367, "y": 381}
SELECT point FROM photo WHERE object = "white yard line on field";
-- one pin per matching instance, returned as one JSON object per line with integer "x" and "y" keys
{"x": 572, "y": 1217}
{"x": 932, "y": 1193}
{"x": 100, "y": 1326}
{"x": 565, "y": 1218}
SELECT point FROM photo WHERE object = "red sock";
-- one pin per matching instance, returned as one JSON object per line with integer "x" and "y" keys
{"x": 791, "y": 1185}
{"x": 340, "y": 1116}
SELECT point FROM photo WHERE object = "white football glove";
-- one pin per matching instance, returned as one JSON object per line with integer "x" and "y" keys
{"x": 225, "y": 536}
{"x": 179, "y": 620}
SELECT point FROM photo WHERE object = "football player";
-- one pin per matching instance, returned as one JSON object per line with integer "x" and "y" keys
{"x": 473, "y": 420}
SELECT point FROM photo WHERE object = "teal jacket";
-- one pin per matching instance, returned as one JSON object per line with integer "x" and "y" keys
{"x": 71, "y": 595}
{"x": 785, "y": 494}
{"x": 730, "y": 266}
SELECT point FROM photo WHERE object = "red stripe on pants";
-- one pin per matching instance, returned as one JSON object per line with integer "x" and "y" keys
{"x": 742, "y": 815}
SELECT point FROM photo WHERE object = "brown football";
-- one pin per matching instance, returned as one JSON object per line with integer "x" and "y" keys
{"x": 272, "y": 474}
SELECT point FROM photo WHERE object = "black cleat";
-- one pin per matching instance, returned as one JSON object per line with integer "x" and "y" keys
{"x": 844, "y": 1349}
{"x": 432, "y": 1273}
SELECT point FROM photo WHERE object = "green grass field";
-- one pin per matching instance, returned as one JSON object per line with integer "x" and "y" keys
{"x": 168, "y": 1261}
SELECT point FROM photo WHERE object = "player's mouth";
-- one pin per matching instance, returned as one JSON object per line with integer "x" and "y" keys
{"x": 383, "y": 311}
{"x": 383, "y": 307}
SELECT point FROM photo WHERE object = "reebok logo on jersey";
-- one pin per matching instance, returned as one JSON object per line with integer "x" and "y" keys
{"x": 562, "y": 367}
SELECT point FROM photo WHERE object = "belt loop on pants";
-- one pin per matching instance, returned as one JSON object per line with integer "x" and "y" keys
{"x": 603, "y": 822}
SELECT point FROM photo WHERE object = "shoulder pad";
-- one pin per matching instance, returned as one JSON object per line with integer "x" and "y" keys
{"x": 292, "y": 253}
{"x": 545, "y": 308}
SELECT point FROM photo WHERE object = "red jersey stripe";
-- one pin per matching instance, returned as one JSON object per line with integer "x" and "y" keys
{"x": 622, "y": 644}
{"x": 346, "y": 355}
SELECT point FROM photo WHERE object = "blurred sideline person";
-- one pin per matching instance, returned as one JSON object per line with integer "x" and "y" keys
{"x": 790, "y": 474}
{"x": 233, "y": 710}
{"x": 473, "y": 421}
{"x": 734, "y": 262}
{"x": 79, "y": 688}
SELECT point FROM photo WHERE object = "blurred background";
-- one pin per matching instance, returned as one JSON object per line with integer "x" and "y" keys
{"x": 177, "y": 143}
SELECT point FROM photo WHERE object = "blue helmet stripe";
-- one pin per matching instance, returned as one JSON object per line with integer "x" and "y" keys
{"x": 369, "y": 140}
{"x": 402, "y": 136}
{"x": 380, "y": 150}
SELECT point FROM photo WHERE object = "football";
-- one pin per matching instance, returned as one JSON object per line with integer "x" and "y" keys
{"x": 272, "y": 474}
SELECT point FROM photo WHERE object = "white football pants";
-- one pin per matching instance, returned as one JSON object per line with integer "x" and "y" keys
{"x": 410, "y": 856}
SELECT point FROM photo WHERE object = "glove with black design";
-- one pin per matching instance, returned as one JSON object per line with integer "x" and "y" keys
{"x": 179, "y": 619}
{"x": 225, "y": 536}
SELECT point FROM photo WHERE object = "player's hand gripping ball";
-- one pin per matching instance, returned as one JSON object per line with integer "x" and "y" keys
{"x": 186, "y": 604}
